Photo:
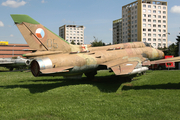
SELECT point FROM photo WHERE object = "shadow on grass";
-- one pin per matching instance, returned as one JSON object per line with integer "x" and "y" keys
{"x": 105, "y": 84}
{"x": 159, "y": 86}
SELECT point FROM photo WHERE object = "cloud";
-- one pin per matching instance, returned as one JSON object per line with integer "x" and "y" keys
{"x": 11, "y": 35}
{"x": 13, "y": 3}
{"x": 42, "y": 1}
{"x": 175, "y": 9}
{"x": 170, "y": 42}
{"x": 1, "y": 24}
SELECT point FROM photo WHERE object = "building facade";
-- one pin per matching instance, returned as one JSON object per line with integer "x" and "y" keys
{"x": 72, "y": 33}
{"x": 145, "y": 20}
{"x": 13, "y": 50}
{"x": 117, "y": 31}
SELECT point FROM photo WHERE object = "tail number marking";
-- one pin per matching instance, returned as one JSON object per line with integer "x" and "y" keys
{"x": 52, "y": 44}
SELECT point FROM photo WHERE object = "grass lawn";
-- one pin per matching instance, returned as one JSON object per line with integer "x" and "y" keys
{"x": 154, "y": 96}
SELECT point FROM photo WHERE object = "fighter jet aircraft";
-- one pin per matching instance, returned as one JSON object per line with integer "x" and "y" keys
{"x": 56, "y": 57}
{"x": 14, "y": 62}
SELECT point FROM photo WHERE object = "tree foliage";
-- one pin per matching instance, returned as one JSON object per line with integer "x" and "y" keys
{"x": 173, "y": 49}
{"x": 96, "y": 43}
{"x": 72, "y": 42}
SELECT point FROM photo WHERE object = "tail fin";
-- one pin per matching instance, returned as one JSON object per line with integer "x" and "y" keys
{"x": 39, "y": 37}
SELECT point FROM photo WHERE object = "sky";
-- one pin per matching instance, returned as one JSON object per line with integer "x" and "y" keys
{"x": 95, "y": 15}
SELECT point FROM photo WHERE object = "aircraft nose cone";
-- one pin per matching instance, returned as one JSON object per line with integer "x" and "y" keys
{"x": 161, "y": 54}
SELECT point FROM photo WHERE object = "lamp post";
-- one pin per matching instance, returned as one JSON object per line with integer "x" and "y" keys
{"x": 162, "y": 39}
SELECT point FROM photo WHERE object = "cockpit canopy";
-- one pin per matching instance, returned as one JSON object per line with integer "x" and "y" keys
{"x": 148, "y": 44}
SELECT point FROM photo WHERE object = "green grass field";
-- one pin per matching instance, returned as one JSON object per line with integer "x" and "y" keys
{"x": 154, "y": 96}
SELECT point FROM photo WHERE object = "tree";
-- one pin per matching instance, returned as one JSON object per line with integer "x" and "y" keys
{"x": 78, "y": 43}
{"x": 173, "y": 49}
{"x": 72, "y": 42}
{"x": 96, "y": 43}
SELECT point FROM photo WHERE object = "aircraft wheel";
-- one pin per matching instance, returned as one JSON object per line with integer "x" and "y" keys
{"x": 160, "y": 68}
{"x": 90, "y": 75}
{"x": 11, "y": 69}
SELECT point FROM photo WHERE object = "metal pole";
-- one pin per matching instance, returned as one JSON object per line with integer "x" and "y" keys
{"x": 179, "y": 55}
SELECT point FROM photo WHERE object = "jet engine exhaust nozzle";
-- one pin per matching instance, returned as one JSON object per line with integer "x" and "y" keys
{"x": 40, "y": 64}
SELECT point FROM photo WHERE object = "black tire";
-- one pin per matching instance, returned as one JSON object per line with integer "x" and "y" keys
{"x": 90, "y": 75}
{"x": 160, "y": 68}
{"x": 11, "y": 69}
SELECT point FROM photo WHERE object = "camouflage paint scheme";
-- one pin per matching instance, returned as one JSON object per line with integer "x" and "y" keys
{"x": 55, "y": 56}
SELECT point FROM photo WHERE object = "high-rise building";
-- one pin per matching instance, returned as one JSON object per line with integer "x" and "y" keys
{"x": 145, "y": 20}
{"x": 72, "y": 33}
{"x": 117, "y": 31}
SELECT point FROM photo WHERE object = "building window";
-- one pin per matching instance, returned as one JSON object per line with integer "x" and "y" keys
{"x": 159, "y": 21}
{"x": 144, "y": 15}
{"x": 149, "y": 15}
{"x": 154, "y": 25}
{"x": 164, "y": 12}
{"x": 164, "y": 17}
{"x": 144, "y": 25}
{"x": 149, "y": 25}
{"x": 159, "y": 30}
{"x": 154, "y": 35}
{"x": 154, "y": 39}
{"x": 164, "y": 30}
{"x": 154, "y": 11}
{"x": 154, "y": 21}
{"x": 149, "y": 6}
{"x": 159, "y": 26}
{"x": 144, "y": 34}
{"x": 164, "y": 21}
{"x": 154, "y": 6}
{"x": 159, "y": 35}
{"x": 154, "y": 16}
{"x": 154, "y": 44}
{"x": 164, "y": 8}
{"x": 149, "y": 30}
{"x": 164, "y": 40}
{"x": 149, "y": 35}
{"x": 149, "y": 11}
{"x": 149, "y": 20}
{"x": 159, "y": 12}
{"x": 144, "y": 5}
{"x": 154, "y": 30}
{"x": 149, "y": 39}
{"x": 144, "y": 20}
{"x": 144, "y": 29}
{"x": 144, "y": 10}
{"x": 164, "y": 26}
{"x": 159, "y": 7}
{"x": 144, "y": 39}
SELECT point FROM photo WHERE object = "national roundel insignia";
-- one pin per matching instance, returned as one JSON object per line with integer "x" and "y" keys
{"x": 40, "y": 33}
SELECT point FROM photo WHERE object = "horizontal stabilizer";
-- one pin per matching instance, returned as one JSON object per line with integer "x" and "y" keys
{"x": 41, "y": 53}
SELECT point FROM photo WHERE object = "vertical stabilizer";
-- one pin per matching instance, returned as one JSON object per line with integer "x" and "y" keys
{"x": 39, "y": 37}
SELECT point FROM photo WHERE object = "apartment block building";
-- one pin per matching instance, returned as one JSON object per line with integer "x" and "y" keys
{"x": 146, "y": 21}
{"x": 72, "y": 33}
{"x": 117, "y": 31}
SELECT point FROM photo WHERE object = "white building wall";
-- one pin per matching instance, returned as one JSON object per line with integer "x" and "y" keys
{"x": 154, "y": 22}
{"x": 154, "y": 25}
{"x": 73, "y": 33}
